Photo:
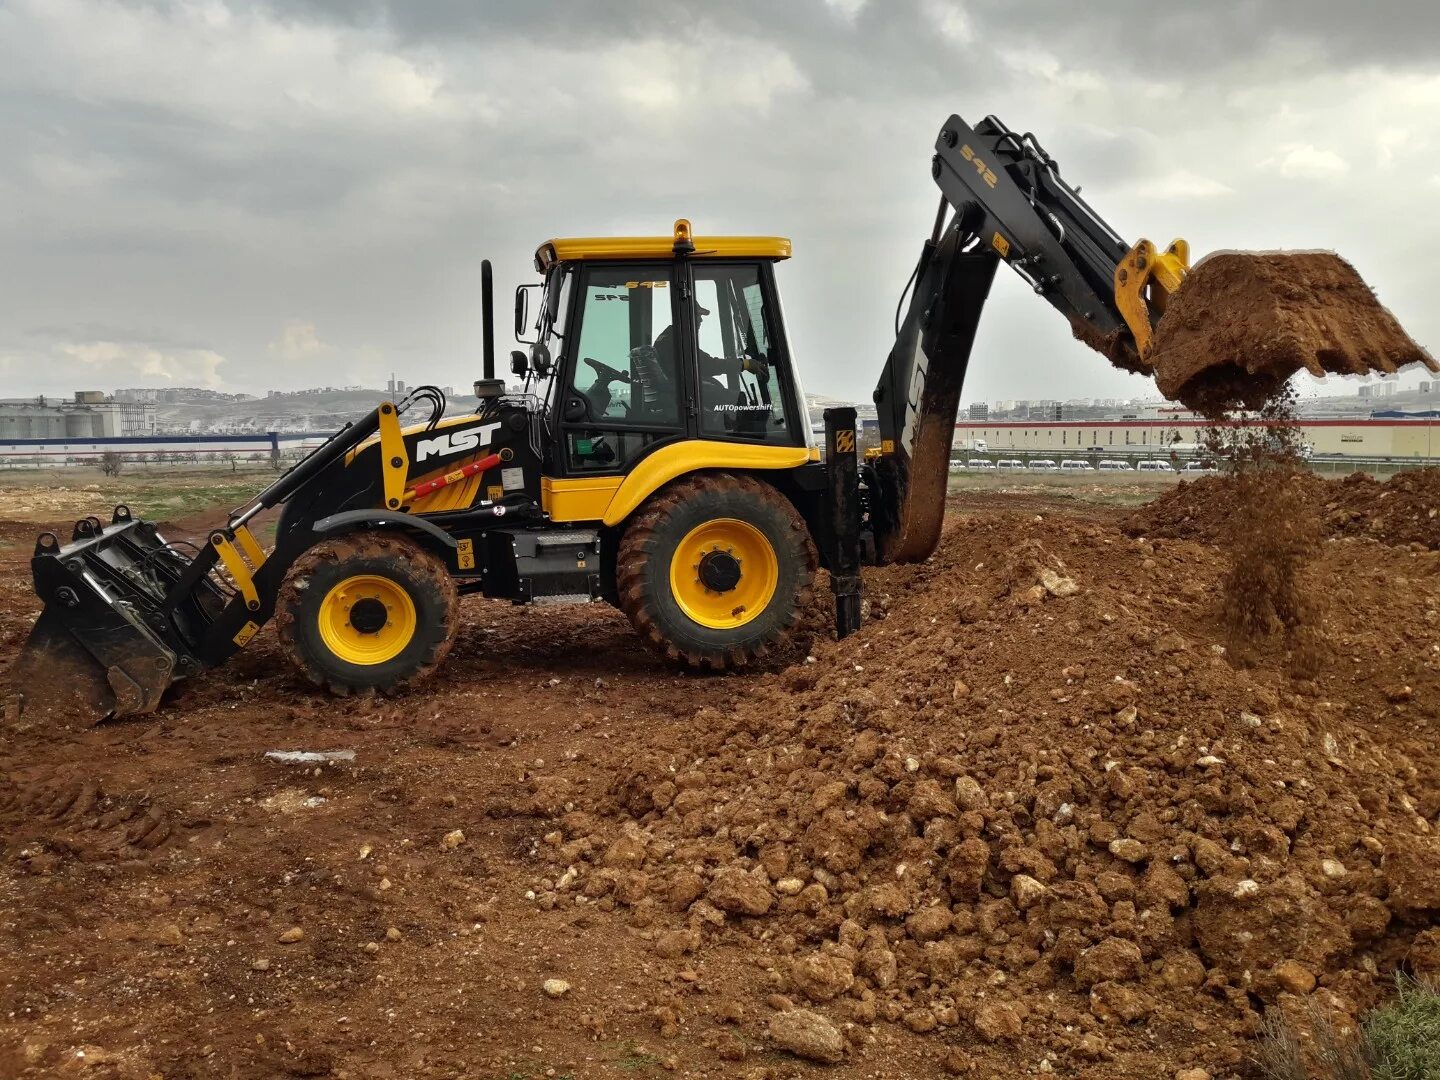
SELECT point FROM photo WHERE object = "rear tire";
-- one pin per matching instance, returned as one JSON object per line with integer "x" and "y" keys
{"x": 369, "y": 611}
{"x": 715, "y": 570}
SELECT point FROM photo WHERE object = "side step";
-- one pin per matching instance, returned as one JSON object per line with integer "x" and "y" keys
{"x": 543, "y": 566}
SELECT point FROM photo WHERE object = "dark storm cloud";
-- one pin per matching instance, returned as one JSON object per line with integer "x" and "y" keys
{"x": 1122, "y": 37}
{"x": 313, "y": 182}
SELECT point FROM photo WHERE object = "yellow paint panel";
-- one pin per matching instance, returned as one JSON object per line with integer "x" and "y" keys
{"x": 677, "y": 459}
{"x": 582, "y": 499}
{"x": 568, "y": 249}
{"x": 239, "y": 572}
{"x": 460, "y": 495}
{"x": 250, "y": 546}
{"x": 395, "y": 462}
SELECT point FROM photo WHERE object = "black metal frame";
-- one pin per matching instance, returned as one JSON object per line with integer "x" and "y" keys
{"x": 1005, "y": 185}
{"x": 842, "y": 518}
{"x": 1009, "y": 203}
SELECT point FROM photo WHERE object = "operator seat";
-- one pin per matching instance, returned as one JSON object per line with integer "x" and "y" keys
{"x": 652, "y": 394}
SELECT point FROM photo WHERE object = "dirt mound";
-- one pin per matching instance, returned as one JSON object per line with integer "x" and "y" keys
{"x": 1402, "y": 510}
{"x": 1243, "y": 322}
{"x": 1036, "y": 803}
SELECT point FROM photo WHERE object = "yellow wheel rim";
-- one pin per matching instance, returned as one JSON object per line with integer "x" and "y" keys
{"x": 351, "y": 614}
{"x": 724, "y": 573}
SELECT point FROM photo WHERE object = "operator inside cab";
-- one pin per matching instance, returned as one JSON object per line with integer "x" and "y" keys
{"x": 724, "y": 392}
{"x": 627, "y": 383}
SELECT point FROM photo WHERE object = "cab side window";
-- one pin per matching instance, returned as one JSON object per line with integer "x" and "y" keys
{"x": 624, "y": 391}
{"x": 626, "y": 365}
{"x": 742, "y": 379}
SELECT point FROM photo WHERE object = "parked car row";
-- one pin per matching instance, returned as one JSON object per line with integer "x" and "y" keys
{"x": 1075, "y": 465}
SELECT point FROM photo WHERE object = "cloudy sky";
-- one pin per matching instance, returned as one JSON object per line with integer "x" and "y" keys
{"x": 295, "y": 193}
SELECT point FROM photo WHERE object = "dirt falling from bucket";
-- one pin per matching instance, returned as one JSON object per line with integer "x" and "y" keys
{"x": 1272, "y": 531}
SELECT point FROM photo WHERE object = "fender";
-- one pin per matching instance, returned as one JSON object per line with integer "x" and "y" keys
{"x": 382, "y": 519}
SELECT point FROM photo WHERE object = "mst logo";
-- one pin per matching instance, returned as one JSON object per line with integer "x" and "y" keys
{"x": 455, "y": 442}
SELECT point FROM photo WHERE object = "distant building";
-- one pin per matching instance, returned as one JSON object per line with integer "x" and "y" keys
{"x": 86, "y": 418}
{"x": 979, "y": 410}
{"x": 176, "y": 395}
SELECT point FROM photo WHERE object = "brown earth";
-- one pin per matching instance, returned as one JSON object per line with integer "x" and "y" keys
{"x": 1031, "y": 814}
{"x": 1243, "y": 322}
{"x": 1402, "y": 510}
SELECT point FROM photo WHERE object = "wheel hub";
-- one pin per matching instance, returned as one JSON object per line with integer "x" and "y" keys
{"x": 719, "y": 571}
{"x": 724, "y": 573}
{"x": 368, "y": 615}
{"x": 367, "y": 619}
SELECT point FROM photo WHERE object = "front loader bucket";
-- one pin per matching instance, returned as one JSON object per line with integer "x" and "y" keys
{"x": 110, "y": 638}
{"x": 56, "y": 676}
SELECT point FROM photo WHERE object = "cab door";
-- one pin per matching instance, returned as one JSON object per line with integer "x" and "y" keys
{"x": 625, "y": 388}
{"x": 746, "y": 386}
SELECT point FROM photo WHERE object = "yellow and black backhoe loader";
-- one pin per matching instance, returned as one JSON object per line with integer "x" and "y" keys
{"x": 659, "y": 458}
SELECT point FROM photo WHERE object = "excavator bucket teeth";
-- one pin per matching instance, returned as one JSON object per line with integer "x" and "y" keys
{"x": 108, "y": 641}
{"x": 1243, "y": 322}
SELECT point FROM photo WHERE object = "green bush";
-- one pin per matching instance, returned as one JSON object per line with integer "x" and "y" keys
{"x": 1402, "y": 1038}
{"x": 1398, "y": 1041}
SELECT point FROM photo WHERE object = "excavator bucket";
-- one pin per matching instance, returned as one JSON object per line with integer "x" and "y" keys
{"x": 1242, "y": 322}
{"x": 105, "y": 642}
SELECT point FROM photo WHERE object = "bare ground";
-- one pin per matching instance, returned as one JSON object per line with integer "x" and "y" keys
{"x": 150, "y": 869}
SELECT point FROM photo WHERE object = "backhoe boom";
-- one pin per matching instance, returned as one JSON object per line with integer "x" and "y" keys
{"x": 1002, "y": 199}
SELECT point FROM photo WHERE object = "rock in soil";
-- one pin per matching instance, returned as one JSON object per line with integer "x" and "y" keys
{"x": 808, "y": 1035}
{"x": 742, "y": 893}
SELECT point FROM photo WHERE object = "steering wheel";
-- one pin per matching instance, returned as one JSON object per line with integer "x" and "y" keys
{"x": 606, "y": 373}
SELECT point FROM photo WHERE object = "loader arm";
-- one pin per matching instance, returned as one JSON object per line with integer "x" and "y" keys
{"x": 1002, "y": 199}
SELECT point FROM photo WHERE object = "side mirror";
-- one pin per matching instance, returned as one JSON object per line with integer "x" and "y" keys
{"x": 522, "y": 313}
{"x": 519, "y": 363}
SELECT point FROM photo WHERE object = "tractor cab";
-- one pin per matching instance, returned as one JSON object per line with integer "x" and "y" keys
{"x": 638, "y": 344}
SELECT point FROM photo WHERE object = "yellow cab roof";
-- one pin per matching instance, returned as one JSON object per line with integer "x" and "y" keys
{"x": 573, "y": 248}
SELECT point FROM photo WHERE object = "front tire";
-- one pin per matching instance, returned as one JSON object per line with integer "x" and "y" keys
{"x": 716, "y": 570}
{"x": 369, "y": 611}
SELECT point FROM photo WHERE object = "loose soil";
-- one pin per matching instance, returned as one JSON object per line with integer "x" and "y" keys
{"x": 1404, "y": 510}
{"x": 1243, "y": 322}
{"x": 1032, "y": 814}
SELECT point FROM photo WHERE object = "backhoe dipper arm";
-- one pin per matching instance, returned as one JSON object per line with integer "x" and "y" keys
{"x": 1009, "y": 203}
